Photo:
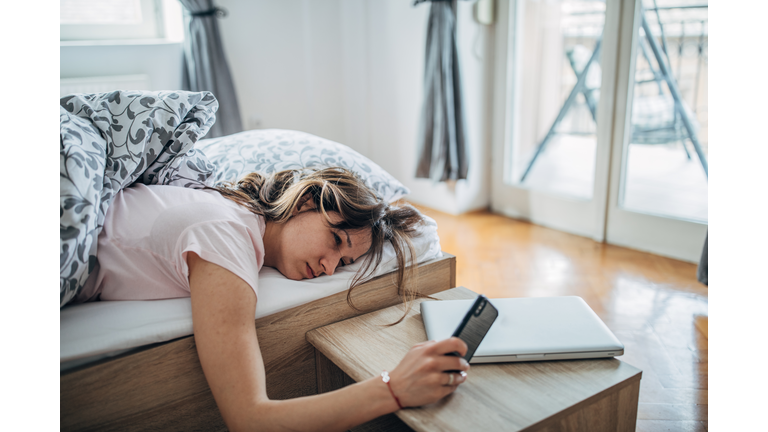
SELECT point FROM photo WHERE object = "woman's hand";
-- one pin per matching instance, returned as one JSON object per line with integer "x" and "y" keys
{"x": 421, "y": 376}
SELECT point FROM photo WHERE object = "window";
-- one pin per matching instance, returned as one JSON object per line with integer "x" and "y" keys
{"x": 119, "y": 19}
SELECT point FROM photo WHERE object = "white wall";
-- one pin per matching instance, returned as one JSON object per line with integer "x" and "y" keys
{"x": 475, "y": 50}
{"x": 351, "y": 71}
{"x": 347, "y": 70}
{"x": 285, "y": 57}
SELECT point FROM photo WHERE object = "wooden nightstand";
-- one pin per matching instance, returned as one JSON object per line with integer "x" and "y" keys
{"x": 565, "y": 395}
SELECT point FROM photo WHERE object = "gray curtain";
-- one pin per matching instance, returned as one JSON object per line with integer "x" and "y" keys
{"x": 702, "y": 273}
{"x": 205, "y": 66}
{"x": 442, "y": 149}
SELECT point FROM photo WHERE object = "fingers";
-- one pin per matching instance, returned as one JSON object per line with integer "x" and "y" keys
{"x": 425, "y": 343}
{"x": 450, "y": 345}
{"x": 453, "y": 379}
{"x": 426, "y": 374}
{"x": 450, "y": 363}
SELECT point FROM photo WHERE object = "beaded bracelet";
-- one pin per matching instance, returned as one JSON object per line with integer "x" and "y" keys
{"x": 385, "y": 378}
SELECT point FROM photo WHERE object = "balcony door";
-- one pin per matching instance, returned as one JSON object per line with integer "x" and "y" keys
{"x": 600, "y": 129}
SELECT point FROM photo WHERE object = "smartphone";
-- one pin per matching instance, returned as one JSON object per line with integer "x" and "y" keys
{"x": 475, "y": 325}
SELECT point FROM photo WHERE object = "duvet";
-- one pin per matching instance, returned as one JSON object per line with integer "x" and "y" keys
{"x": 109, "y": 141}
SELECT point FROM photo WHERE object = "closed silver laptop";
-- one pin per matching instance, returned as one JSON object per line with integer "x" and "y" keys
{"x": 529, "y": 329}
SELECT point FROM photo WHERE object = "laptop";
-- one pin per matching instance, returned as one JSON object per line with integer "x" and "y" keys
{"x": 529, "y": 329}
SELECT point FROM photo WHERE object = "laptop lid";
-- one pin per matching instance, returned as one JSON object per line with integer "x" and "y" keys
{"x": 537, "y": 328}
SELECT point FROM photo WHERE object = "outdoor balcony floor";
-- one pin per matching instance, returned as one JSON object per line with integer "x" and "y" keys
{"x": 660, "y": 179}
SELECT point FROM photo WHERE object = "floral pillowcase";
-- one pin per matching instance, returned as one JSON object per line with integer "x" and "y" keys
{"x": 271, "y": 150}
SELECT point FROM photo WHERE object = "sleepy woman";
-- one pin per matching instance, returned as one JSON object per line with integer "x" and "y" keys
{"x": 166, "y": 242}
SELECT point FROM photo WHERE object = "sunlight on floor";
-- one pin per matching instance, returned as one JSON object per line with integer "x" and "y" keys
{"x": 662, "y": 180}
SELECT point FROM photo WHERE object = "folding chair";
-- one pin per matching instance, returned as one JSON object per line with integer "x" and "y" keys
{"x": 656, "y": 119}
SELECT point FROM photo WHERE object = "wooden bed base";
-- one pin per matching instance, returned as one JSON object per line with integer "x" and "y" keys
{"x": 163, "y": 388}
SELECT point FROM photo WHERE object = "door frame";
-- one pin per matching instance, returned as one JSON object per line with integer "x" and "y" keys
{"x": 585, "y": 217}
{"x": 601, "y": 219}
{"x": 674, "y": 238}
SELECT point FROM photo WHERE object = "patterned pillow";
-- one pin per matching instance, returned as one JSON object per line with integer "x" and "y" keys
{"x": 270, "y": 150}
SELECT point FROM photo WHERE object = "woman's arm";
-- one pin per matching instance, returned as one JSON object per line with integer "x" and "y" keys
{"x": 223, "y": 308}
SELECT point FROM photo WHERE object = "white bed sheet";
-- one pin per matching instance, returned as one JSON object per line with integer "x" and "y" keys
{"x": 92, "y": 331}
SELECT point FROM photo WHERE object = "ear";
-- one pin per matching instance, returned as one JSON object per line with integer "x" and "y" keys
{"x": 305, "y": 203}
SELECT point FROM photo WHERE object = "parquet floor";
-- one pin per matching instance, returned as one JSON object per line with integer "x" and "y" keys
{"x": 654, "y": 305}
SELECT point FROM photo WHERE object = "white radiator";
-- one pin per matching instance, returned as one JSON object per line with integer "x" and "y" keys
{"x": 103, "y": 84}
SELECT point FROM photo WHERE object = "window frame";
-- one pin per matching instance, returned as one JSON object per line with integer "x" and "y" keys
{"x": 151, "y": 27}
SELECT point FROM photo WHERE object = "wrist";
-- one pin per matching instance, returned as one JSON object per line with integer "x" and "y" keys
{"x": 382, "y": 401}
{"x": 386, "y": 380}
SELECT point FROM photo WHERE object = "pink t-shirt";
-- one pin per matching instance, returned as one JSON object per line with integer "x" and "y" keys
{"x": 148, "y": 231}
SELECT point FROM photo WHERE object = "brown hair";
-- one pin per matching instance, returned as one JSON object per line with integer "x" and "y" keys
{"x": 335, "y": 189}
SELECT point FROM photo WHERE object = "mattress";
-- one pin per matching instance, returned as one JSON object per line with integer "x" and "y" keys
{"x": 93, "y": 331}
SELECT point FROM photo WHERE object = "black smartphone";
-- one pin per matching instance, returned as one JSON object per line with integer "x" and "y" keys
{"x": 475, "y": 325}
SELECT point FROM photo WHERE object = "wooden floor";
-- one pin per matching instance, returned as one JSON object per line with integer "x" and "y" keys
{"x": 654, "y": 305}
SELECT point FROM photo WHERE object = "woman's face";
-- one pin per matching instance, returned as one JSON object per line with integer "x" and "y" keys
{"x": 306, "y": 247}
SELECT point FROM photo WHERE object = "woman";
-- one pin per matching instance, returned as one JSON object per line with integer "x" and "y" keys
{"x": 165, "y": 241}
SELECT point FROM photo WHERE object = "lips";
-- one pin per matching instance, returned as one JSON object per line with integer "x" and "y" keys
{"x": 310, "y": 273}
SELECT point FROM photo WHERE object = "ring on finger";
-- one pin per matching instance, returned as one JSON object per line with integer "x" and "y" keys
{"x": 450, "y": 379}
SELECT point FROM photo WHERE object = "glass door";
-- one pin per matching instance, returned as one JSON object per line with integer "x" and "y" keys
{"x": 659, "y": 192}
{"x": 601, "y": 129}
{"x": 551, "y": 158}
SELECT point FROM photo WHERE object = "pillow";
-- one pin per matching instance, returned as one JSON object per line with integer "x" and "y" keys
{"x": 270, "y": 150}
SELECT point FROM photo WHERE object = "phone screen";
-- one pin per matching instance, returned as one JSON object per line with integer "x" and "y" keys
{"x": 476, "y": 324}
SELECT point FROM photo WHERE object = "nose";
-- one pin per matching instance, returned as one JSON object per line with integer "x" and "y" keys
{"x": 330, "y": 262}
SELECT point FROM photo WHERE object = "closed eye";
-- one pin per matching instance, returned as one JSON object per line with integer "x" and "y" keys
{"x": 337, "y": 240}
{"x": 342, "y": 263}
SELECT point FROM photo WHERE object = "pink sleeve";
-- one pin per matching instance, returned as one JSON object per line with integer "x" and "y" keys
{"x": 230, "y": 245}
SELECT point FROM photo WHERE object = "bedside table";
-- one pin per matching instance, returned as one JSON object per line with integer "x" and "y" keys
{"x": 558, "y": 395}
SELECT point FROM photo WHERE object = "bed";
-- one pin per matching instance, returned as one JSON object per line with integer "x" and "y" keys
{"x": 133, "y": 365}
{"x": 163, "y": 387}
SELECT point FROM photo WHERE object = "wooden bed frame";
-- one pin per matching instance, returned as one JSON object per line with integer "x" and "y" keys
{"x": 163, "y": 387}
